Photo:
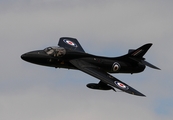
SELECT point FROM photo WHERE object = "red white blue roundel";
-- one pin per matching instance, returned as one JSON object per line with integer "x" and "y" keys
{"x": 121, "y": 85}
{"x": 70, "y": 43}
{"x": 116, "y": 66}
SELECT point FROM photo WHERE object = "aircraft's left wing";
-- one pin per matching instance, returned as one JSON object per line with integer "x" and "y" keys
{"x": 103, "y": 76}
{"x": 70, "y": 43}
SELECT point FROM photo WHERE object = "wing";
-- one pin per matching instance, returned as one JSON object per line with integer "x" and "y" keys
{"x": 70, "y": 43}
{"x": 103, "y": 76}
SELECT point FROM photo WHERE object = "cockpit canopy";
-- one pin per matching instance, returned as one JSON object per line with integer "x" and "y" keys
{"x": 55, "y": 51}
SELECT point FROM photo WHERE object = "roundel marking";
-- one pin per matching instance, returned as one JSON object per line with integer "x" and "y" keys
{"x": 70, "y": 43}
{"x": 121, "y": 85}
{"x": 115, "y": 66}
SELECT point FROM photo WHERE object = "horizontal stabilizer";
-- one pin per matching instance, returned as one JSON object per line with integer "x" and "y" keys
{"x": 150, "y": 65}
{"x": 145, "y": 63}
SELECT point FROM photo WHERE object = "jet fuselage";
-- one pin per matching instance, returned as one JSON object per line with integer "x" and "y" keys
{"x": 53, "y": 57}
{"x": 71, "y": 55}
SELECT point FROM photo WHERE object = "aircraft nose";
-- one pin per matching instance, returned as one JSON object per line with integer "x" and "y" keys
{"x": 24, "y": 56}
{"x": 34, "y": 56}
{"x": 28, "y": 55}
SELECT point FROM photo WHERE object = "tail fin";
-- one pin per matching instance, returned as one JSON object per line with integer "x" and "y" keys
{"x": 140, "y": 52}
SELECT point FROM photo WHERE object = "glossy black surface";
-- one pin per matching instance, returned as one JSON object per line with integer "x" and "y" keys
{"x": 71, "y": 55}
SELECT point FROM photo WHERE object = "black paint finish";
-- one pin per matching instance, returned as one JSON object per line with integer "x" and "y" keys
{"x": 71, "y": 55}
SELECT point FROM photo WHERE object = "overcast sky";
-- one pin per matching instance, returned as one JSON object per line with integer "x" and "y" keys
{"x": 108, "y": 28}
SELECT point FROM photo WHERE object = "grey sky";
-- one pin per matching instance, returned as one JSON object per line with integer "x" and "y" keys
{"x": 104, "y": 28}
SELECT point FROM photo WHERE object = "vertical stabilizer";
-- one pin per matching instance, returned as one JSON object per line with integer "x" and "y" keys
{"x": 140, "y": 52}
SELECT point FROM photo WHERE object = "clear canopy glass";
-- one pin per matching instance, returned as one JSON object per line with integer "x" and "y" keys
{"x": 55, "y": 51}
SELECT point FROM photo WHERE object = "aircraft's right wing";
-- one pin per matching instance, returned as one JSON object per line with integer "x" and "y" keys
{"x": 103, "y": 76}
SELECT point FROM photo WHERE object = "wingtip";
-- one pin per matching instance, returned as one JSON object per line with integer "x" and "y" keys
{"x": 137, "y": 93}
{"x": 141, "y": 95}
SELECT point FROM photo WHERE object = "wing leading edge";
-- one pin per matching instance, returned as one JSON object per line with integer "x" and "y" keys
{"x": 103, "y": 76}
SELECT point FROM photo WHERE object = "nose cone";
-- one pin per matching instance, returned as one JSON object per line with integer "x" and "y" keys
{"x": 24, "y": 56}
{"x": 36, "y": 57}
{"x": 30, "y": 55}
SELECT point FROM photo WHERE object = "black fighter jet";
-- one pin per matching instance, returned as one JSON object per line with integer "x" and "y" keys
{"x": 71, "y": 55}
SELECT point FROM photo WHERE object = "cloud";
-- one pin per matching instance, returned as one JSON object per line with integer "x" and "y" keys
{"x": 43, "y": 103}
